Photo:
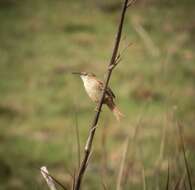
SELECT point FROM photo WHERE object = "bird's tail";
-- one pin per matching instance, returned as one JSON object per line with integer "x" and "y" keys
{"x": 115, "y": 110}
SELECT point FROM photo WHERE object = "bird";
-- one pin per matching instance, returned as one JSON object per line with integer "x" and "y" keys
{"x": 94, "y": 89}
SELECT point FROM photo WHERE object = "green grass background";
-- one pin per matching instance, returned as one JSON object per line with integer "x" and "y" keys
{"x": 43, "y": 41}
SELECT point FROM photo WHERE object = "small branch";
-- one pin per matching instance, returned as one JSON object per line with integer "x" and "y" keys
{"x": 50, "y": 179}
{"x": 47, "y": 178}
{"x": 118, "y": 58}
{"x": 125, "y": 48}
{"x": 111, "y": 66}
{"x": 130, "y": 2}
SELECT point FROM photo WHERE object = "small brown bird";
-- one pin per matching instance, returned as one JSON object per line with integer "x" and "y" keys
{"x": 94, "y": 88}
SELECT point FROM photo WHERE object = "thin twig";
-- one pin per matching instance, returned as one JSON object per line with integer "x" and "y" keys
{"x": 176, "y": 187}
{"x": 144, "y": 178}
{"x": 77, "y": 137}
{"x": 168, "y": 178}
{"x": 96, "y": 117}
{"x": 73, "y": 184}
{"x": 105, "y": 187}
{"x": 180, "y": 181}
{"x": 47, "y": 178}
{"x": 104, "y": 166}
{"x": 133, "y": 145}
{"x": 118, "y": 58}
{"x": 122, "y": 166}
{"x": 148, "y": 42}
{"x": 185, "y": 187}
{"x": 130, "y": 3}
{"x": 125, "y": 48}
{"x": 162, "y": 144}
{"x": 184, "y": 155}
{"x": 50, "y": 179}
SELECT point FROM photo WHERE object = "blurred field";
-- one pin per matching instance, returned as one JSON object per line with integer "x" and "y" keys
{"x": 42, "y": 42}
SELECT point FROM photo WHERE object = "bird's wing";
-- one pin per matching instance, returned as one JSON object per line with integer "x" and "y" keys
{"x": 108, "y": 90}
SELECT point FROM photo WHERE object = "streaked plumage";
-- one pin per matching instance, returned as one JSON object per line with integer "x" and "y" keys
{"x": 94, "y": 88}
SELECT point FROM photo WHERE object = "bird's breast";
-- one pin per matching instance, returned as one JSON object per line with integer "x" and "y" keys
{"x": 92, "y": 89}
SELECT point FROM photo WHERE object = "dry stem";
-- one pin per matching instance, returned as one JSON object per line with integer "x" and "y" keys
{"x": 111, "y": 66}
{"x": 50, "y": 179}
{"x": 184, "y": 155}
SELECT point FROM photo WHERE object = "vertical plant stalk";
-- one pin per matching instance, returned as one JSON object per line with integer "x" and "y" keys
{"x": 111, "y": 66}
{"x": 168, "y": 177}
{"x": 122, "y": 165}
{"x": 77, "y": 137}
{"x": 184, "y": 155}
{"x": 104, "y": 165}
{"x": 143, "y": 178}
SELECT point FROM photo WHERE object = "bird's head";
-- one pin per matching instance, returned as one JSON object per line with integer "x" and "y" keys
{"x": 84, "y": 74}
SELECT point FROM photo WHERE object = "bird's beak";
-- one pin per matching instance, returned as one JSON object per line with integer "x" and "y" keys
{"x": 76, "y": 73}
